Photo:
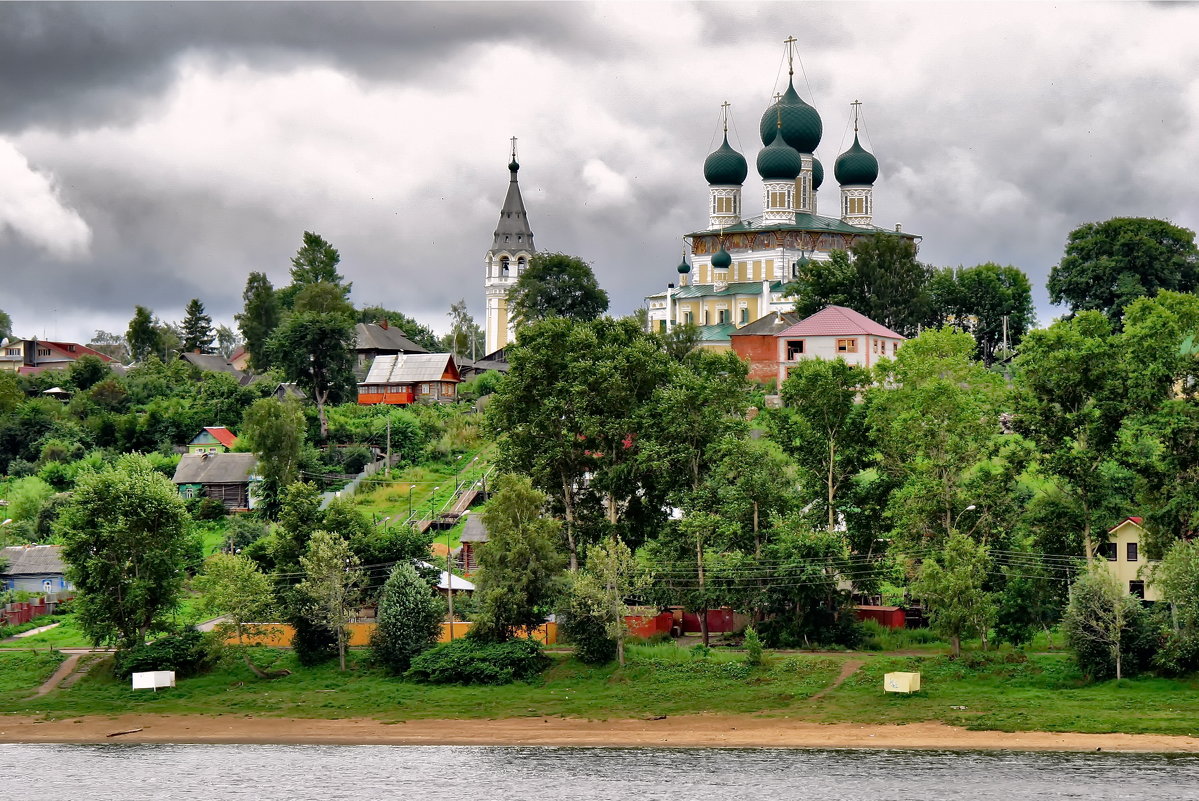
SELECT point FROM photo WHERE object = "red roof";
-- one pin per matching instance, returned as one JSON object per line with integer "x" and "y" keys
{"x": 223, "y": 435}
{"x": 77, "y": 350}
{"x": 835, "y": 321}
{"x": 1137, "y": 520}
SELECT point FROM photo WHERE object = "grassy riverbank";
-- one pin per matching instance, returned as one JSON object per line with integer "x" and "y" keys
{"x": 1044, "y": 693}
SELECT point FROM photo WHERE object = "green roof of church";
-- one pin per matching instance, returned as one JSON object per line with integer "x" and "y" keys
{"x": 856, "y": 166}
{"x": 735, "y": 288}
{"x": 778, "y": 161}
{"x": 725, "y": 166}
{"x": 803, "y": 222}
{"x": 801, "y": 127}
{"x": 716, "y": 333}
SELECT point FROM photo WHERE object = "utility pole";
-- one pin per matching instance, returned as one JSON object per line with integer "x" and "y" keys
{"x": 387, "y": 465}
{"x": 449, "y": 580}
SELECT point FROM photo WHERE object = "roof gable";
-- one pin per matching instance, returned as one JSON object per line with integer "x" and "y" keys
{"x": 832, "y": 321}
{"x": 768, "y": 325}
{"x": 370, "y": 336}
{"x": 1128, "y": 521}
{"x": 406, "y": 368}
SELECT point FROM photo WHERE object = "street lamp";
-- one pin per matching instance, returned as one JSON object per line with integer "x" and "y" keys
{"x": 969, "y": 508}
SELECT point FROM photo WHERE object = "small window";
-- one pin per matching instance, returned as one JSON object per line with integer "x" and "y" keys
{"x": 1137, "y": 589}
{"x": 894, "y": 348}
{"x": 794, "y": 349}
{"x": 688, "y": 318}
{"x": 722, "y": 316}
{"x": 1132, "y": 552}
{"x": 1108, "y": 551}
{"x": 662, "y": 326}
{"x": 847, "y": 346}
{"x": 744, "y": 316}
{"x": 14, "y": 351}
{"x": 43, "y": 351}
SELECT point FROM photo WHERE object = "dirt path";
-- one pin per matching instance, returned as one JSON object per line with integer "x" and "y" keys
{"x": 64, "y": 670}
{"x": 850, "y": 667}
{"x": 86, "y": 663}
{"x": 695, "y": 731}
{"x": 30, "y": 633}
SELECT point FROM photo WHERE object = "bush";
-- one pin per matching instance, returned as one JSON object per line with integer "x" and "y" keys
{"x": 312, "y": 644}
{"x": 581, "y": 622}
{"x": 184, "y": 652}
{"x": 206, "y": 508}
{"x": 409, "y": 619}
{"x": 753, "y": 648}
{"x": 1179, "y": 654}
{"x": 467, "y": 661}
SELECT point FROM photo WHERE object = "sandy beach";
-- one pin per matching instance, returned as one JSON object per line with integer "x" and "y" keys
{"x": 706, "y": 731}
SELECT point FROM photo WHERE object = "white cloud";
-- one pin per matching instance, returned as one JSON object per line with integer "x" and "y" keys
{"x": 31, "y": 209}
{"x": 605, "y": 186}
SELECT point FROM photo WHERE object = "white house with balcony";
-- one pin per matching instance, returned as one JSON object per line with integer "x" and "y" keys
{"x": 835, "y": 332}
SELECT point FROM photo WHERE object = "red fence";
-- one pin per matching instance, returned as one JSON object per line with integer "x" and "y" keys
{"x": 16, "y": 614}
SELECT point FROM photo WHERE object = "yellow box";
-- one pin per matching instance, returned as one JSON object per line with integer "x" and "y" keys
{"x": 901, "y": 682}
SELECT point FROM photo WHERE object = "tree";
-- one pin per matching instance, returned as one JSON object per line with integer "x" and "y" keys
{"x": 331, "y": 585}
{"x": 801, "y": 597}
{"x": 556, "y": 285}
{"x": 612, "y": 567}
{"x": 274, "y": 431}
{"x": 1177, "y": 578}
{"x": 258, "y": 319}
{"x": 952, "y": 586}
{"x": 11, "y": 395}
{"x": 879, "y": 277}
{"x": 87, "y": 371}
{"x": 409, "y": 619}
{"x": 125, "y": 540}
{"x": 141, "y": 336}
{"x": 1107, "y": 265}
{"x": 1028, "y": 603}
{"x": 5, "y": 325}
{"x": 1103, "y": 625}
{"x": 323, "y": 298}
{"x": 315, "y": 262}
{"x": 823, "y": 426}
{"x": 316, "y": 351}
{"x": 227, "y": 340}
{"x": 196, "y": 331}
{"x": 465, "y": 336}
{"x": 987, "y": 301}
{"x": 519, "y": 566}
{"x": 112, "y": 345}
{"x": 233, "y": 586}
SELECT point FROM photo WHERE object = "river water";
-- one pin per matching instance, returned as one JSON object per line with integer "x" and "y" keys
{"x": 460, "y": 773}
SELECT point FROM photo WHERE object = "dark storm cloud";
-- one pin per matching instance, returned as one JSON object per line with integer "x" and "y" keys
{"x": 83, "y": 63}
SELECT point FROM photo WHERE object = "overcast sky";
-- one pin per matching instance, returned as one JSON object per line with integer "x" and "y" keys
{"x": 151, "y": 153}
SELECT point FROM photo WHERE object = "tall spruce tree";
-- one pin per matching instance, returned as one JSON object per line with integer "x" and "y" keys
{"x": 259, "y": 318}
{"x": 197, "y": 331}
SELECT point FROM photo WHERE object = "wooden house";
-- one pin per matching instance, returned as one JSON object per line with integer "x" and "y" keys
{"x": 227, "y": 477}
{"x": 212, "y": 439}
{"x": 409, "y": 377}
{"x": 33, "y": 568}
{"x": 374, "y": 340}
{"x": 474, "y": 534}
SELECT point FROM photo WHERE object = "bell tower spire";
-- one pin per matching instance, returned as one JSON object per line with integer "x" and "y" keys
{"x": 511, "y": 249}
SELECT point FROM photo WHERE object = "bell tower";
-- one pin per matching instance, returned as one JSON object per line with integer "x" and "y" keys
{"x": 511, "y": 250}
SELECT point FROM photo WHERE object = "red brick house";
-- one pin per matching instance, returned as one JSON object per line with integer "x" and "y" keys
{"x": 757, "y": 345}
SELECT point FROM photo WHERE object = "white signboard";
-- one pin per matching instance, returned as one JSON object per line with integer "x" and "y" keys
{"x": 154, "y": 679}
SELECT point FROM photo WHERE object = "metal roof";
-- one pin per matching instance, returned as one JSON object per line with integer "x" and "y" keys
{"x": 834, "y": 321}
{"x": 215, "y": 468}
{"x": 460, "y": 584}
{"x": 768, "y": 325}
{"x": 710, "y": 290}
{"x": 370, "y": 336}
{"x": 803, "y": 222}
{"x": 405, "y": 368}
{"x": 33, "y": 560}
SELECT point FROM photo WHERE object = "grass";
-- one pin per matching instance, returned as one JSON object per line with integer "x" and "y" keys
{"x": 996, "y": 691}
{"x": 391, "y": 499}
{"x": 66, "y": 634}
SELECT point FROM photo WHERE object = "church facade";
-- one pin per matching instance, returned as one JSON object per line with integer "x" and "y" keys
{"x": 739, "y": 265}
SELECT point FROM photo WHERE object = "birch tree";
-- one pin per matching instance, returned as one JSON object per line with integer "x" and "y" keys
{"x": 332, "y": 585}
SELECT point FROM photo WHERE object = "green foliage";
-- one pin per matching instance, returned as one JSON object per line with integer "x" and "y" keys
{"x": 883, "y": 280}
{"x": 196, "y": 331}
{"x": 470, "y": 661}
{"x": 582, "y": 620}
{"x": 312, "y": 644}
{"x": 314, "y": 263}
{"x": 753, "y": 648}
{"x": 331, "y": 585}
{"x": 274, "y": 432}
{"x": 484, "y": 383}
{"x": 26, "y": 497}
{"x": 1177, "y": 577}
{"x": 316, "y": 351}
{"x": 86, "y": 372}
{"x": 259, "y": 318}
{"x": 184, "y": 652}
{"x": 1107, "y": 265}
{"x": 1106, "y": 629}
{"x": 556, "y": 285}
{"x": 142, "y": 337}
{"x": 519, "y": 565}
{"x": 125, "y": 539}
{"x": 978, "y": 300}
{"x": 5, "y": 325}
{"x": 1028, "y": 602}
{"x": 1178, "y": 654}
{"x": 409, "y": 619}
{"x": 953, "y": 588}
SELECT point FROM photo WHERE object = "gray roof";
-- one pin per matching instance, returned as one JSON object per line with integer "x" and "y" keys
{"x": 213, "y": 362}
{"x": 483, "y": 365}
{"x": 514, "y": 220}
{"x": 474, "y": 530}
{"x": 215, "y": 468}
{"x": 376, "y": 337}
{"x": 405, "y": 368}
{"x": 33, "y": 560}
{"x": 768, "y": 325}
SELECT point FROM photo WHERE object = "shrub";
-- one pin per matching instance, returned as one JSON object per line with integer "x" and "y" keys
{"x": 312, "y": 644}
{"x": 183, "y": 652}
{"x": 753, "y": 648}
{"x": 468, "y": 661}
{"x": 206, "y": 508}
{"x": 582, "y": 622}
{"x": 1179, "y": 654}
{"x": 409, "y": 619}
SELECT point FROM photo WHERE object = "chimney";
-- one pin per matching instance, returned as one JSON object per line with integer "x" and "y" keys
{"x": 383, "y": 323}
{"x": 898, "y": 227}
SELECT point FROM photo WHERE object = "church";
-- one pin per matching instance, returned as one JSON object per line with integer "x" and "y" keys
{"x": 739, "y": 265}
{"x": 511, "y": 249}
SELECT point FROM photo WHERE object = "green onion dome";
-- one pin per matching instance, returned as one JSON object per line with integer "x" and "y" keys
{"x": 725, "y": 166}
{"x": 802, "y": 127}
{"x": 778, "y": 161}
{"x": 817, "y": 173}
{"x": 721, "y": 259}
{"x": 684, "y": 267}
{"x": 856, "y": 166}
{"x": 513, "y": 166}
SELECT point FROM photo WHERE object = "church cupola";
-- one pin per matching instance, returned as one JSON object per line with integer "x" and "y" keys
{"x": 817, "y": 180}
{"x": 778, "y": 164}
{"x": 801, "y": 129}
{"x": 725, "y": 170}
{"x": 856, "y": 170}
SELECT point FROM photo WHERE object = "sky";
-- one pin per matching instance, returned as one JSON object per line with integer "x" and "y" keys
{"x": 152, "y": 153}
